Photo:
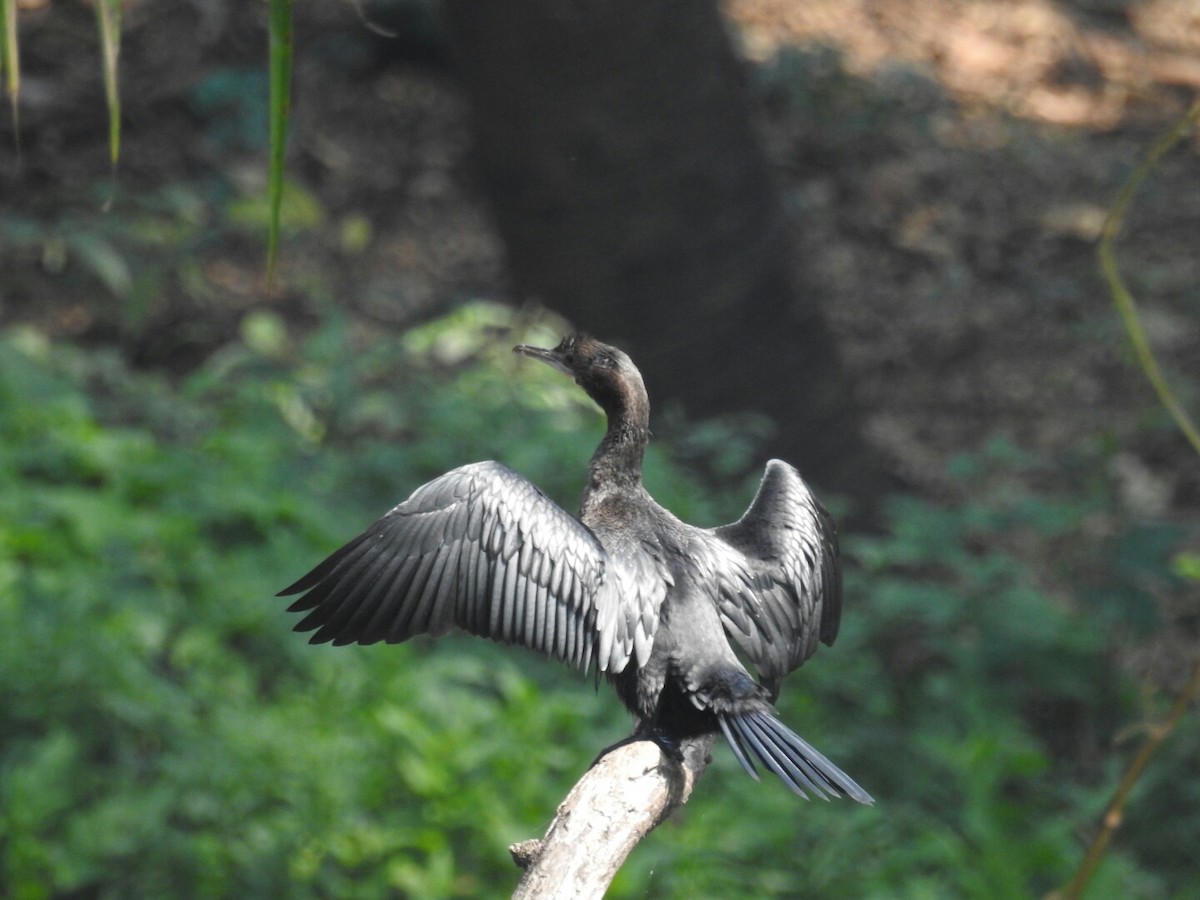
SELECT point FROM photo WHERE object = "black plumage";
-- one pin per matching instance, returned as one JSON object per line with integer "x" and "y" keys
{"x": 654, "y": 603}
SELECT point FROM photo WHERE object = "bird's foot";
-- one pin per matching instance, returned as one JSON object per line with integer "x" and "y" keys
{"x": 670, "y": 745}
{"x": 647, "y": 732}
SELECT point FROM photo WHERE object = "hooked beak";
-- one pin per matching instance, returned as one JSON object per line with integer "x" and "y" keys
{"x": 549, "y": 357}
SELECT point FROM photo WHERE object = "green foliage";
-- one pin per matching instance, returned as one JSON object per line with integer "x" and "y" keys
{"x": 111, "y": 248}
{"x": 165, "y": 734}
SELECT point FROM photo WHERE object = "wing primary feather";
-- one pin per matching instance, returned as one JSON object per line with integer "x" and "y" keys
{"x": 509, "y": 600}
{"x": 345, "y": 564}
{"x": 481, "y": 595}
{"x": 319, "y": 573}
{"x": 517, "y": 599}
{"x": 330, "y": 594}
{"x": 541, "y": 600}
{"x": 466, "y": 611}
{"x": 445, "y": 609}
{"x": 348, "y": 596}
{"x": 607, "y": 633}
{"x": 495, "y": 586}
{"x": 588, "y": 652}
{"x": 556, "y": 613}
{"x": 412, "y": 601}
{"x": 642, "y": 635}
{"x": 426, "y": 605}
{"x": 362, "y": 610}
{"x": 400, "y": 628}
{"x": 529, "y": 600}
{"x": 391, "y": 594}
{"x": 573, "y": 637}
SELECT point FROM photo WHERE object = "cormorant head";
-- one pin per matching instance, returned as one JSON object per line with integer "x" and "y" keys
{"x": 606, "y": 373}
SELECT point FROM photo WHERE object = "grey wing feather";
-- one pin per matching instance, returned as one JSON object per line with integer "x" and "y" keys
{"x": 784, "y": 591}
{"x": 640, "y": 580}
{"x": 483, "y": 549}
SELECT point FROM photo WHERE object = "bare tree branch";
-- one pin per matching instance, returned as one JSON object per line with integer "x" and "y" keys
{"x": 616, "y": 803}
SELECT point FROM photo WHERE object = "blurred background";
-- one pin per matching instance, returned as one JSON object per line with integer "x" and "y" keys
{"x": 858, "y": 235}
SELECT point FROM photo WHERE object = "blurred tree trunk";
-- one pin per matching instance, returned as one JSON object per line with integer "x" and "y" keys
{"x": 630, "y": 192}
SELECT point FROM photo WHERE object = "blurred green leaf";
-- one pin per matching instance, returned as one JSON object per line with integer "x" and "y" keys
{"x": 265, "y": 333}
{"x": 295, "y": 210}
{"x": 1186, "y": 565}
{"x": 102, "y": 258}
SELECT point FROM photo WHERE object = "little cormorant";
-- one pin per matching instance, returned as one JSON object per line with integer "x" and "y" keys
{"x": 654, "y": 603}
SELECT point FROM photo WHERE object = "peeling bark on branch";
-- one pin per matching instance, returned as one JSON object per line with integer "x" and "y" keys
{"x": 616, "y": 803}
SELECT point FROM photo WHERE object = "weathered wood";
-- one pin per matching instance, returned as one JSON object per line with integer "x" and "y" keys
{"x": 616, "y": 803}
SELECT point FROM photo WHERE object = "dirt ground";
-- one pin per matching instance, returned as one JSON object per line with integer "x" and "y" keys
{"x": 948, "y": 164}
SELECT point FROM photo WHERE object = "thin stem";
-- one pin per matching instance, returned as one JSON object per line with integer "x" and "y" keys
{"x": 1116, "y": 807}
{"x": 1127, "y": 307}
{"x": 1122, "y": 298}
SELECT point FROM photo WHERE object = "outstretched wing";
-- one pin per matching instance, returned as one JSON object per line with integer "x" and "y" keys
{"x": 481, "y": 548}
{"x": 789, "y": 594}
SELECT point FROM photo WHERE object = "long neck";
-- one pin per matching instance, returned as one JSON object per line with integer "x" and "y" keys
{"x": 617, "y": 462}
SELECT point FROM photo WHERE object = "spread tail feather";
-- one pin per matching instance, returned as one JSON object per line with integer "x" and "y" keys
{"x": 788, "y": 755}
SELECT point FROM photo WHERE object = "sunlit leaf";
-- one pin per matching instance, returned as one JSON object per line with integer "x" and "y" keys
{"x": 1186, "y": 565}
{"x": 281, "y": 78}
{"x": 298, "y": 210}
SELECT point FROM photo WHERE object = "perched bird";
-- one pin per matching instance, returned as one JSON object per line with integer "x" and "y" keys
{"x": 654, "y": 603}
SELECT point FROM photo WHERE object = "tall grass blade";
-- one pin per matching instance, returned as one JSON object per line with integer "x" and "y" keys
{"x": 280, "y": 25}
{"x": 10, "y": 62}
{"x": 108, "y": 19}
